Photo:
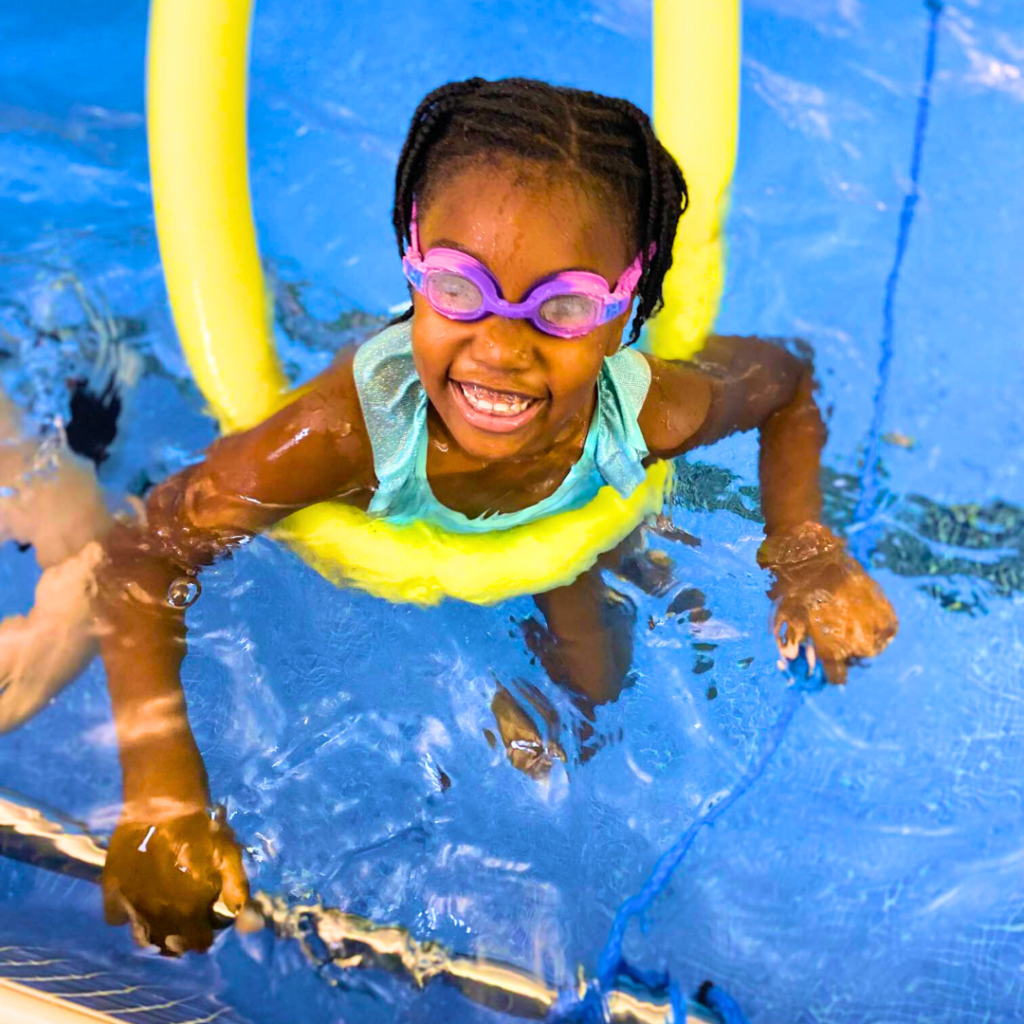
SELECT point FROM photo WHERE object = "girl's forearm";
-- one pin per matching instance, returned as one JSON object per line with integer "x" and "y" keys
{"x": 188, "y": 522}
{"x": 311, "y": 450}
{"x": 792, "y": 439}
{"x": 143, "y": 643}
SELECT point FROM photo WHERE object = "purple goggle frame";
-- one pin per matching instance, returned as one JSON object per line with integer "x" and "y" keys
{"x": 569, "y": 304}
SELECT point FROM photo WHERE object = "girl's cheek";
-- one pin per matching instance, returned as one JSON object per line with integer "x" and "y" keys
{"x": 576, "y": 373}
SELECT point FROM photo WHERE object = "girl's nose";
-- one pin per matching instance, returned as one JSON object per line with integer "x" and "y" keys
{"x": 503, "y": 343}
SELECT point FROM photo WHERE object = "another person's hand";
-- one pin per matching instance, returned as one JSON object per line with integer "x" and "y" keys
{"x": 164, "y": 879}
{"x": 825, "y": 600}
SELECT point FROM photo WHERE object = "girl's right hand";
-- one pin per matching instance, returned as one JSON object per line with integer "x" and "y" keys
{"x": 164, "y": 879}
{"x": 825, "y": 601}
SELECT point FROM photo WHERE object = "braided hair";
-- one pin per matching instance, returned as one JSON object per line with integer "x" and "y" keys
{"x": 607, "y": 141}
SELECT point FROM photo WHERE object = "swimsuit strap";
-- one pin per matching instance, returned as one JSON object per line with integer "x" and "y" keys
{"x": 622, "y": 390}
{"x": 394, "y": 407}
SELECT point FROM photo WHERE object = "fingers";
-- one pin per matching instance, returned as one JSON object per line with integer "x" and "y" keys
{"x": 838, "y": 613}
{"x": 115, "y": 906}
{"x": 166, "y": 886}
{"x": 835, "y": 670}
{"x": 885, "y": 636}
{"x": 887, "y": 628}
{"x": 791, "y": 639}
{"x": 170, "y": 917}
{"x": 789, "y": 635}
{"x": 175, "y": 932}
{"x": 234, "y": 890}
{"x": 139, "y": 925}
{"x": 812, "y": 657}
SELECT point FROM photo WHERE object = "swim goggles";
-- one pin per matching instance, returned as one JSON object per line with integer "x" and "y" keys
{"x": 568, "y": 304}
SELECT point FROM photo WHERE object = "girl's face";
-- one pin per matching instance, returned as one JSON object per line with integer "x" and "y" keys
{"x": 502, "y": 387}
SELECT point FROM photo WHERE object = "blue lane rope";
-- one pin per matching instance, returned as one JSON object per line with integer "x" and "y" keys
{"x": 869, "y": 487}
{"x": 612, "y": 965}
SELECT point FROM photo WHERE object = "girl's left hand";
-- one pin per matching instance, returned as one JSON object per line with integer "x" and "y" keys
{"x": 824, "y": 600}
{"x": 164, "y": 877}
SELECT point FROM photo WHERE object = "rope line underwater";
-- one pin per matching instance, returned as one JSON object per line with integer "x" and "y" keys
{"x": 612, "y": 964}
{"x": 869, "y": 472}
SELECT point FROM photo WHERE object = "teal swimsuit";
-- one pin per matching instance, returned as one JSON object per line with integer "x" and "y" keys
{"x": 394, "y": 405}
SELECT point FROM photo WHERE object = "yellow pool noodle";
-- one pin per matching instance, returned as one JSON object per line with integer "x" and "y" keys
{"x": 696, "y": 116}
{"x": 197, "y": 77}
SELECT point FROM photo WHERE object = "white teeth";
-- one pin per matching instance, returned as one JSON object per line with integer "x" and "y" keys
{"x": 507, "y": 406}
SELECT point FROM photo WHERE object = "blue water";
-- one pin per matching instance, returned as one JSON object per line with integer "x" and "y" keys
{"x": 873, "y": 874}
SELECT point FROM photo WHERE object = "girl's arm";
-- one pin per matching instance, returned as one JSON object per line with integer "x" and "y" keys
{"x": 314, "y": 449}
{"x": 735, "y": 384}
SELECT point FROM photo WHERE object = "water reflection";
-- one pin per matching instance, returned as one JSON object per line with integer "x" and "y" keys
{"x": 169, "y": 860}
{"x": 922, "y": 539}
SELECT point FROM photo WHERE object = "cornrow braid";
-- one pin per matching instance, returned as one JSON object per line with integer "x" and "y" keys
{"x": 608, "y": 140}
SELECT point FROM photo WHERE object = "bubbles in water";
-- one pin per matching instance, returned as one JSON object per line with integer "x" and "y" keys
{"x": 183, "y": 592}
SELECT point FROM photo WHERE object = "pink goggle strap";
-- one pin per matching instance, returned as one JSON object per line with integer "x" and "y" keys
{"x": 631, "y": 275}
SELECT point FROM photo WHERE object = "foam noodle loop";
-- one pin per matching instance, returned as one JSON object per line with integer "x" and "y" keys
{"x": 196, "y": 107}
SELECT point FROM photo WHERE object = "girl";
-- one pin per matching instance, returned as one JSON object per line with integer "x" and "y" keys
{"x": 533, "y": 221}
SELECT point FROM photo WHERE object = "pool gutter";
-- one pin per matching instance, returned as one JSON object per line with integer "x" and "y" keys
{"x": 49, "y": 840}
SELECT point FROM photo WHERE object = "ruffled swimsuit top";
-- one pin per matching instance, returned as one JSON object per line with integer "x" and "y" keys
{"x": 394, "y": 405}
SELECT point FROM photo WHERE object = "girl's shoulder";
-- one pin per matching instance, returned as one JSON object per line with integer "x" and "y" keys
{"x": 328, "y": 405}
{"x": 677, "y": 405}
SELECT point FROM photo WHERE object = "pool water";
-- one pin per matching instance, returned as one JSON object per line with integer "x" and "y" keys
{"x": 873, "y": 872}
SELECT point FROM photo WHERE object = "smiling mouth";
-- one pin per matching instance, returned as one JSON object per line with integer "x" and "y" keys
{"x": 499, "y": 412}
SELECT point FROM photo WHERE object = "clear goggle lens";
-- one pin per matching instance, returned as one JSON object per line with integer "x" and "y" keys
{"x": 569, "y": 312}
{"x": 453, "y": 293}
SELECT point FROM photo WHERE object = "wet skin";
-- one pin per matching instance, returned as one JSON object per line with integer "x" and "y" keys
{"x": 524, "y": 223}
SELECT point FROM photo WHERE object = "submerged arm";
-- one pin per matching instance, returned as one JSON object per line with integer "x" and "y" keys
{"x": 738, "y": 384}
{"x": 314, "y": 449}
{"x": 735, "y": 385}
